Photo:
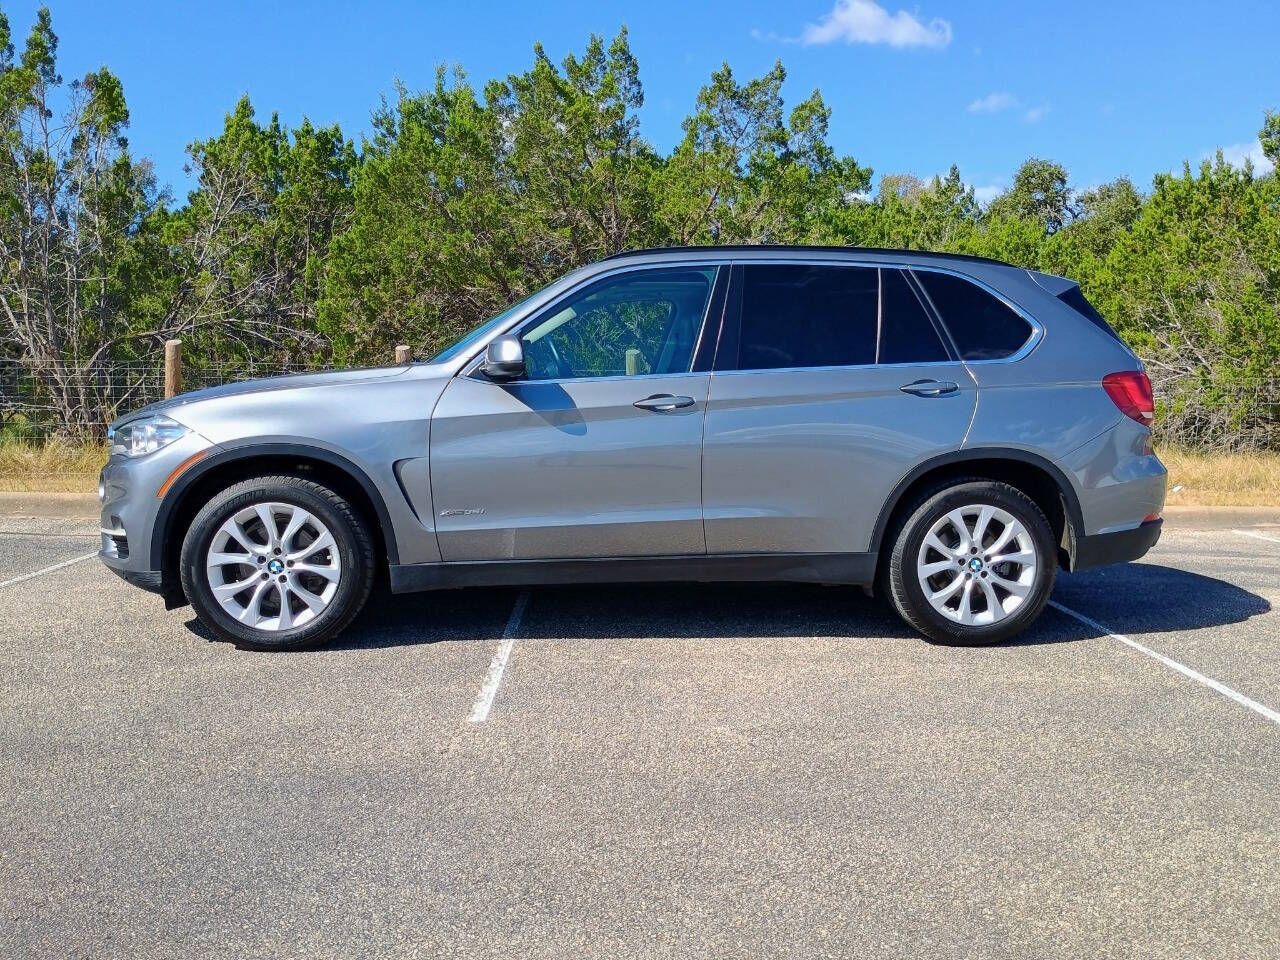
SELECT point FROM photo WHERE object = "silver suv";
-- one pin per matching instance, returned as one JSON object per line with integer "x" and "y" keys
{"x": 946, "y": 429}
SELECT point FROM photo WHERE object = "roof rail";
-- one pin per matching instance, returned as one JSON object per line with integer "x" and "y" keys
{"x": 802, "y": 248}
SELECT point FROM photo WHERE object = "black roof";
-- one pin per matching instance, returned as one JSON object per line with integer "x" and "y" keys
{"x": 803, "y": 248}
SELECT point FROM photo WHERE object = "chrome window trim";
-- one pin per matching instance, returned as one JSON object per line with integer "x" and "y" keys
{"x": 874, "y": 265}
{"x": 837, "y": 368}
{"x": 1032, "y": 341}
{"x": 470, "y": 367}
{"x": 638, "y": 376}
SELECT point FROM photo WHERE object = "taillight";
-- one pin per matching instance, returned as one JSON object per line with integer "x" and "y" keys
{"x": 1130, "y": 391}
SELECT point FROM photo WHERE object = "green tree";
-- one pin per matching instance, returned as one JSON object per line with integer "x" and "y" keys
{"x": 744, "y": 174}
{"x": 910, "y": 214}
{"x": 465, "y": 204}
{"x": 250, "y": 247}
{"x": 436, "y": 231}
{"x": 1040, "y": 192}
{"x": 1104, "y": 215}
{"x": 573, "y": 152}
{"x": 77, "y": 211}
{"x": 1269, "y": 137}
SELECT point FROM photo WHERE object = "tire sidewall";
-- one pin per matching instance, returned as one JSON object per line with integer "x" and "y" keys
{"x": 353, "y": 584}
{"x": 907, "y": 551}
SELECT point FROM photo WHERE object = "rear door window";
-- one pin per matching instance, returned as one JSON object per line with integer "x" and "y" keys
{"x": 800, "y": 315}
{"x": 803, "y": 315}
{"x": 983, "y": 326}
{"x": 907, "y": 335}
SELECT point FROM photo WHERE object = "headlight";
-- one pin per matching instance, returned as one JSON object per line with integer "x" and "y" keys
{"x": 144, "y": 435}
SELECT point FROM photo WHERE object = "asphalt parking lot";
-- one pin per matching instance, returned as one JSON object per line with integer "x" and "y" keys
{"x": 661, "y": 771}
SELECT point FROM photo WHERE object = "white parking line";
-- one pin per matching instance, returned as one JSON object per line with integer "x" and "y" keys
{"x": 1183, "y": 669}
{"x": 1257, "y": 536}
{"x": 56, "y": 566}
{"x": 493, "y": 679}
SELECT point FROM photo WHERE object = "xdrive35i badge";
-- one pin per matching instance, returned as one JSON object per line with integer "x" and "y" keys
{"x": 463, "y": 512}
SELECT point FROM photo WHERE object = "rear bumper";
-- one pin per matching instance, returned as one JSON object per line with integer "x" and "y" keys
{"x": 1121, "y": 546}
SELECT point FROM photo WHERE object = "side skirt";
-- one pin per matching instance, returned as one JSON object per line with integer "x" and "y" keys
{"x": 840, "y": 568}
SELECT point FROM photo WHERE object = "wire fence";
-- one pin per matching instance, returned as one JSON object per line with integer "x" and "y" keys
{"x": 1234, "y": 416}
{"x": 38, "y": 403}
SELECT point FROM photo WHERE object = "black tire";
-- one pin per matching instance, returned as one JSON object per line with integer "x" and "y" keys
{"x": 354, "y": 547}
{"x": 903, "y": 584}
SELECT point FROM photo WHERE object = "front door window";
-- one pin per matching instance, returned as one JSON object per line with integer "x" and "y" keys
{"x": 640, "y": 323}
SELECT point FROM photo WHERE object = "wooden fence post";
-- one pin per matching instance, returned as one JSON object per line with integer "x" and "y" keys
{"x": 403, "y": 354}
{"x": 172, "y": 368}
{"x": 631, "y": 359}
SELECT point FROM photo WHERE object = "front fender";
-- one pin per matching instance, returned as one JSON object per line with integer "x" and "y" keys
{"x": 170, "y": 506}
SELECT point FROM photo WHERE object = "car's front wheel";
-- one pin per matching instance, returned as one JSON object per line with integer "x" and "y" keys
{"x": 277, "y": 563}
{"x": 973, "y": 563}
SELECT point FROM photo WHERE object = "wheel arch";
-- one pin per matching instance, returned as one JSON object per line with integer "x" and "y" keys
{"x": 195, "y": 487}
{"x": 1036, "y": 476}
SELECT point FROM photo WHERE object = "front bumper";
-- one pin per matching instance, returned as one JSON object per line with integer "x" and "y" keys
{"x": 1120, "y": 546}
{"x": 130, "y": 506}
{"x": 150, "y": 580}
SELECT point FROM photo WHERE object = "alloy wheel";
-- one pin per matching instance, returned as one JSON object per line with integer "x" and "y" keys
{"x": 977, "y": 564}
{"x": 273, "y": 566}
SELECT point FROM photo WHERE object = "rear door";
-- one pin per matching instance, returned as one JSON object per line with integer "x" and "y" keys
{"x": 830, "y": 383}
{"x": 597, "y": 452}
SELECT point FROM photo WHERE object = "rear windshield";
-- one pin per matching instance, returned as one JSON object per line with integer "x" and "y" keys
{"x": 1075, "y": 299}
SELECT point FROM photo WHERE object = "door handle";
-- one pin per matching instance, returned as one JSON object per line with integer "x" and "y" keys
{"x": 929, "y": 388}
{"x": 663, "y": 401}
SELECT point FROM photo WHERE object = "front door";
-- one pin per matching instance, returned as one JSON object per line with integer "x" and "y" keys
{"x": 597, "y": 451}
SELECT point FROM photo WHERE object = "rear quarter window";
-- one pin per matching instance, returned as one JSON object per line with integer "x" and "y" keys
{"x": 983, "y": 326}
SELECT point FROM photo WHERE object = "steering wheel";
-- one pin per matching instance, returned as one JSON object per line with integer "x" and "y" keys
{"x": 566, "y": 371}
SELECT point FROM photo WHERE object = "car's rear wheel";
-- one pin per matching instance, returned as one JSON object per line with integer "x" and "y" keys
{"x": 973, "y": 563}
{"x": 277, "y": 563}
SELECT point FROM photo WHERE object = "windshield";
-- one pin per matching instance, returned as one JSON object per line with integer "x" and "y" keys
{"x": 478, "y": 333}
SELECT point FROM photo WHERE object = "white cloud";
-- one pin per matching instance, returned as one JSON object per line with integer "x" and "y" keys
{"x": 1000, "y": 101}
{"x": 865, "y": 21}
{"x": 1238, "y": 153}
{"x": 993, "y": 103}
{"x": 985, "y": 195}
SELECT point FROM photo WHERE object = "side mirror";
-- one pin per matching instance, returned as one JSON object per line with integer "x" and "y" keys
{"x": 504, "y": 358}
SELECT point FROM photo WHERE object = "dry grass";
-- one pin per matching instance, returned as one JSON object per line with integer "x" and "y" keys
{"x": 1201, "y": 479}
{"x": 1195, "y": 478}
{"x": 53, "y": 467}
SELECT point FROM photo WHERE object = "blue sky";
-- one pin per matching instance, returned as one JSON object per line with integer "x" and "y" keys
{"x": 1106, "y": 88}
